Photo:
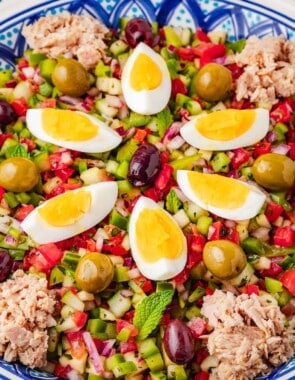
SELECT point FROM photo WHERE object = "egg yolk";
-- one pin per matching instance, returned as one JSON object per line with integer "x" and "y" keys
{"x": 145, "y": 73}
{"x": 226, "y": 124}
{"x": 218, "y": 191}
{"x": 66, "y": 209}
{"x": 67, "y": 125}
{"x": 157, "y": 236}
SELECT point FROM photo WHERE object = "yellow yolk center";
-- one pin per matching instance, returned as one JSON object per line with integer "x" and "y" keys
{"x": 218, "y": 191}
{"x": 157, "y": 236}
{"x": 66, "y": 209}
{"x": 145, "y": 74}
{"x": 68, "y": 125}
{"x": 226, "y": 124}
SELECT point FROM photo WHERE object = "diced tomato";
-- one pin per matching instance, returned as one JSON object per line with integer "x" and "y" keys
{"x": 206, "y": 51}
{"x": 292, "y": 150}
{"x": 288, "y": 280}
{"x": 261, "y": 148}
{"x": 77, "y": 344}
{"x": 23, "y": 211}
{"x": 22, "y": 62}
{"x": 201, "y": 354}
{"x": 236, "y": 71}
{"x": 273, "y": 211}
{"x": 43, "y": 258}
{"x": 60, "y": 160}
{"x": 209, "y": 291}
{"x": 144, "y": 283}
{"x": 195, "y": 244}
{"x": 91, "y": 245}
{"x": 182, "y": 277}
{"x": 178, "y": 87}
{"x": 241, "y": 104}
{"x": 129, "y": 346}
{"x": 291, "y": 215}
{"x": 79, "y": 318}
{"x": 2, "y": 192}
{"x": 20, "y": 106}
{"x": 153, "y": 194}
{"x": 240, "y": 157}
{"x": 281, "y": 112}
{"x": 212, "y": 52}
{"x": 284, "y": 236}
{"x": 65, "y": 173}
{"x": 4, "y": 137}
{"x": 30, "y": 144}
{"x": 251, "y": 289}
{"x": 123, "y": 324}
{"x": 61, "y": 371}
{"x": 163, "y": 177}
{"x": 198, "y": 326}
{"x": 202, "y": 376}
{"x": 48, "y": 103}
{"x": 201, "y": 35}
{"x": 218, "y": 231}
{"x": 61, "y": 188}
{"x": 233, "y": 235}
{"x": 164, "y": 157}
{"x": 116, "y": 250}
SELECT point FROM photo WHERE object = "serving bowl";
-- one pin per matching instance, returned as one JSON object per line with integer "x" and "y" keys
{"x": 239, "y": 18}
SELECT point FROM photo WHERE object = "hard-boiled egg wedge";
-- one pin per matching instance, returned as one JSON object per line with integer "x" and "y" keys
{"x": 223, "y": 196}
{"x": 146, "y": 82}
{"x": 72, "y": 129}
{"x": 226, "y": 129}
{"x": 158, "y": 245}
{"x": 70, "y": 213}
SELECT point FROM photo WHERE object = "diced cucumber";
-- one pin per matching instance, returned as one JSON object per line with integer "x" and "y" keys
{"x": 46, "y": 68}
{"x": 138, "y": 120}
{"x": 192, "y": 312}
{"x": 220, "y": 162}
{"x": 66, "y": 311}
{"x": 138, "y": 295}
{"x": 56, "y": 276}
{"x": 151, "y": 354}
{"x": 105, "y": 109}
{"x": 42, "y": 161}
{"x": 126, "y": 151}
{"x": 77, "y": 364}
{"x": 124, "y": 369}
{"x": 118, "y": 47}
{"x": 113, "y": 361}
{"x": 121, "y": 274}
{"x": 272, "y": 285}
{"x": 70, "y": 299}
{"x": 53, "y": 337}
{"x": 122, "y": 169}
{"x": 111, "y": 86}
{"x": 67, "y": 325}
{"x": 96, "y": 327}
{"x": 193, "y": 211}
{"x": 203, "y": 224}
{"x": 187, "y": 162}
{"x": 118, "y": 220}
{"x": 158, "y": 375}
{"x": 244, "y": 277}
{"x": 119, "y": 304}
{"x": 93, "y": 376}
{"x": 171, "y": 36}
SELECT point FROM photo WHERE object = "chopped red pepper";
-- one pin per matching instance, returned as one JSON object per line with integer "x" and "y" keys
{"x": 284, "y": 236}
{"x": 163, "y": 177}
{"x": 261, "y": 148}
{"x": 206, "y": 51}
{"x": 20, "y": 106}
{"x": 240, "y": 157}
{"x": 288, "y": 281}
{"x": 273, "y": 211}
{"x": 116, "y": 250}
{"x": 141, "y": 134}
{"x": 195, "y": 244}
{"x": 65, "y": 173}
{"x": 281, "y": 112}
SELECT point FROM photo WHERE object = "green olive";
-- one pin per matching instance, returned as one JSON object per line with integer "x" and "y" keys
{"x": 70, "y": 77}
{"x": 274, "y": 171}
{"x": 213, "y": 82}
{"x": 94, "y": 272}
{"x": 224, "y": 259}
{"x": 18, "y": 174}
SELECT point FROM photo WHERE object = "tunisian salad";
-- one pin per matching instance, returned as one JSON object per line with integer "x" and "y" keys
{"x": 147, "y": 226}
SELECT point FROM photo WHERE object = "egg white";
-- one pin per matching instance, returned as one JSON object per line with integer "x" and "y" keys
{"x": 146, "y": 102}
{"x": 249, "y": 209}
{"x": 103, "y": 198}
{"x": 255, "y": 133}
{"x": 164, "y": 268}
{"x": 105, "y": 140}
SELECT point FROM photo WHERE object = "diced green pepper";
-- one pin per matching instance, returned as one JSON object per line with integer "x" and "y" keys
{"x": 186, "y": 162}
{"x": 118, "y": 220}
{"x": 45, "y": 89}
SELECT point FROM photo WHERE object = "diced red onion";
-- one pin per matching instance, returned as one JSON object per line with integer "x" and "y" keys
{"x": 271, "y": 136}
{"x": 230, "y": 223}
{"x": 175, "y": 143}
{"x": 123, "y": 111}
{"x": 73, "y": 375}
{"x": 28, "y": 72}
{"x": 172, "y": 131}
{"x": 220, "y": 60}
{"x": 108, "y": 375}
{"x": 133, "y": 273}
{"x": 120, "y": 207}
{"x": 184, "y": 295}
{"x": 126, "y": 293}
{"x": 93, "y": 353}
{"x": 281, "y": 149}
{"x": 99, "y": 243}
{"x": 37, "y": 78}
{"x": 113, "y": 101}
{"x": 261, "y": 233}
{"x": 93, "y": 91}
{"x": 107, "y": 347}
{"x": 10, "y": 240}
{"x": 70, "y": 100}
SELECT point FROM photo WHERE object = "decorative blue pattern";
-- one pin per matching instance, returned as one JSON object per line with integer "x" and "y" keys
{"x": 238, "y": 18}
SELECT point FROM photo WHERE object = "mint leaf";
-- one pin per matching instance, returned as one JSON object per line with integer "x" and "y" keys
{"x": 149, "y": 312}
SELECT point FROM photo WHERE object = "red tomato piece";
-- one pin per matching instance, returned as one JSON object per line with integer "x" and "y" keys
{"x": 284, "y": 236}
{"x": 23, "y": 212}
{"x": 198, "y": 326}
{"x": 273, "y": 211}
{"x": 77, "y": 344}
{"x": 251, "y": 289}
{"x": 202, "y": 376}
{"x": 20, "y": 106}
{"x": 288, "y": 280}
{"x": 240, "y": 157}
